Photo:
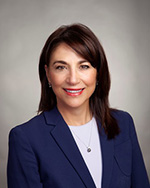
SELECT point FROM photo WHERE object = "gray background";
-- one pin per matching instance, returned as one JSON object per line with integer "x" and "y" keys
{"x": 122, "y": 26}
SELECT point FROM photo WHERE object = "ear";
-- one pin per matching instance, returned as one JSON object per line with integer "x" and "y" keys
{"x": 47, "y": 73}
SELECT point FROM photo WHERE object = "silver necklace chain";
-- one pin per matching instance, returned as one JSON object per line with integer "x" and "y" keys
{"x": 87, "y": 146}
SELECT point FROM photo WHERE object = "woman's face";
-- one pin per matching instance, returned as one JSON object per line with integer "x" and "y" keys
{"x": 73, "y": 79}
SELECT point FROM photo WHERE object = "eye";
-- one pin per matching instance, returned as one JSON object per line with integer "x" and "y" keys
{"x": 60, "y": 67}
{"x": 84, "y": 66}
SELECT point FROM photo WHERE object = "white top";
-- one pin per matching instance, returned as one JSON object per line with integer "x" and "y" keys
{"x": 87, "y": 136}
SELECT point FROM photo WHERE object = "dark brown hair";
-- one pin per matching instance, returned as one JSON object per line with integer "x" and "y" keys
{"x": 83, "y": 41}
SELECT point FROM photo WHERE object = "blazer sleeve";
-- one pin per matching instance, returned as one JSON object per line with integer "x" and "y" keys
{"x": 22, "y": 167}
{"x": 139, "y": 178}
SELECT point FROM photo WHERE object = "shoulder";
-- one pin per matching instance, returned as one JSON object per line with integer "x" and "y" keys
{"x": 31, "y": 124}
{"x": 31, "y": 130}
{"x": 121, "y": 115}
{"x": 123, "y": 118}
{"x": 126, "y": 125}
{"x": 37, "y": 127}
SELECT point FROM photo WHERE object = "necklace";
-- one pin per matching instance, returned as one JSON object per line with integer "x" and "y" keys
{"x": 87, "y": 146}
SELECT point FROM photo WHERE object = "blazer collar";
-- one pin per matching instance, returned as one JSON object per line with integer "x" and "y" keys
{"x": 63, "y": 137}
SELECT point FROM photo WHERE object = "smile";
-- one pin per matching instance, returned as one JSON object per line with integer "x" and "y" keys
{"x": 74, "y": 92}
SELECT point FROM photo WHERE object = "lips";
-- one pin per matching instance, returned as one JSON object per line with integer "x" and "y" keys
{"x": 73, "y": 92}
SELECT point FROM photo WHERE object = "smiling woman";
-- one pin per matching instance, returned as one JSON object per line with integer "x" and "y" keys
{"x": 84, "y": 47}
{"x": 76, "y": 140}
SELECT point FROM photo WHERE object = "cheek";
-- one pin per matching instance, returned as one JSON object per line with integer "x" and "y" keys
{"x": 90, "y": 79}
{"x": 56, "y": 80}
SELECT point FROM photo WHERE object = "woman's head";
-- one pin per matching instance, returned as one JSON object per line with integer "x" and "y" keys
{"x": 72, "y": 78}
{"x": 84, "y": 43}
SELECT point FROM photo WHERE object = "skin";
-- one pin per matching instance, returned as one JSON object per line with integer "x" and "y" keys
{"x": 73, "y": 80}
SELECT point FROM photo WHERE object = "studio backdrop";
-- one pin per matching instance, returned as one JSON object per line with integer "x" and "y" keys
{"x": 123, "y": 27}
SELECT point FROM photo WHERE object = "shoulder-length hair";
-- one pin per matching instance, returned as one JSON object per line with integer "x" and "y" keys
{"x": 84, "y": 42}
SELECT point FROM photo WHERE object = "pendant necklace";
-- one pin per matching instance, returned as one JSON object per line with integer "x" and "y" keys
{"x": 87, "y": 146}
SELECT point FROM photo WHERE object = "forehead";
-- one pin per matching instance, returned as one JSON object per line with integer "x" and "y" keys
{"x": 64, "y": 52}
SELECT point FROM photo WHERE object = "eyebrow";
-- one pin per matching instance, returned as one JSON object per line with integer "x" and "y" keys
{"x": 65, "y": 63}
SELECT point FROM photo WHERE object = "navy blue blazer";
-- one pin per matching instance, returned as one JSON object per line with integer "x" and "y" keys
{"x": 43, "y": 154}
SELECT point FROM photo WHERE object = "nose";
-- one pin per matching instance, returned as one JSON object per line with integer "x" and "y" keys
{"x": 73, "y": 77}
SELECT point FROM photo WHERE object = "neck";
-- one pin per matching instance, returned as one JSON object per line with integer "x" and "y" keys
{"x": 75, "y": 116}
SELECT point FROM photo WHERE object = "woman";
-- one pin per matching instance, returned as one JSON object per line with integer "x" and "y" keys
{"x": 77, "y": 140}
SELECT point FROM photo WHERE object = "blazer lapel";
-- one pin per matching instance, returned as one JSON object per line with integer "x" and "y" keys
{"x": 107, "y": 148}
{"x": 62, "y": 135}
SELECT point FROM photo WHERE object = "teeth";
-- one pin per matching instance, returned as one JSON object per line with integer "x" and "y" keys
{"x": 74, "y": 91}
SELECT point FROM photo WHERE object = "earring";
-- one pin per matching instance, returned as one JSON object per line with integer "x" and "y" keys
{"x": 49, "y": 85}
{"x": 97, "y": 83}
